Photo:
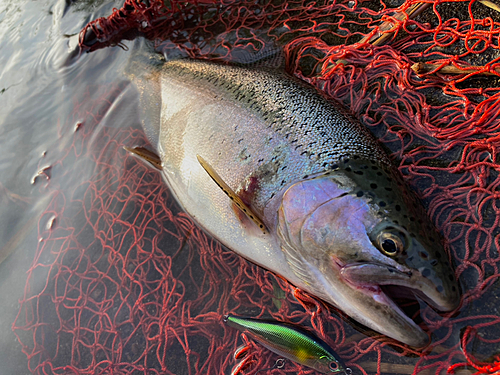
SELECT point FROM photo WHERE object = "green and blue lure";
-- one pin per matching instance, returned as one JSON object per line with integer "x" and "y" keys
{"x": 292, "y": 342}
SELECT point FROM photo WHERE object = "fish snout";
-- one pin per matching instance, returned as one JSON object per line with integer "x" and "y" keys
{"x": 433, "y": 275}
{"x": 439, "y": 287}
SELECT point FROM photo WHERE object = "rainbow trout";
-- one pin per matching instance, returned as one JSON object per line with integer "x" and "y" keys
{"x": 300, "y": 189}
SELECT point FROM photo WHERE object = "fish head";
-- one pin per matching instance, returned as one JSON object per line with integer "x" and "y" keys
{"x": 357, "y": 234}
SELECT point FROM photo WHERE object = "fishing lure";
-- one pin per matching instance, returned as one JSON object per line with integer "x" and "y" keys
{"x": 291, "y": 342}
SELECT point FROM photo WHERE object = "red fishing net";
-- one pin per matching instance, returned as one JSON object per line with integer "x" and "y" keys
{"x": 130, "y": 285}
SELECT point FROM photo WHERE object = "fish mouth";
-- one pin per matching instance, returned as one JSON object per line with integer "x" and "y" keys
{"x": 363, "y": 274}
{"x": 390, "y": 284}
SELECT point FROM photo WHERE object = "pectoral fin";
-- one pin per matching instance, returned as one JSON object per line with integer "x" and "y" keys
{"x": 146, "y": 155}
{"x": 231, "y": 194}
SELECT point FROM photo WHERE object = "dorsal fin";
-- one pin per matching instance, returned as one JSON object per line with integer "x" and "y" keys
{"x": 146, "y": 155}
{"x": 231, "y": 194}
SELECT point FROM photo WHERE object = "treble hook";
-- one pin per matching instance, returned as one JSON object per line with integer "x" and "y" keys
{"x": 280, "y": 363}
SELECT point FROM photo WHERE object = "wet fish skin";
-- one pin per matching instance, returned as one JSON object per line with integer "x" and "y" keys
{"x": 322, "y": 185}
{"x": 291, "y": 342}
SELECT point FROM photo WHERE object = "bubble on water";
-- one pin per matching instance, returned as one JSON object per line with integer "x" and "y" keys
{"x": 44, "y": 172}
{"x": 51, "y": 222}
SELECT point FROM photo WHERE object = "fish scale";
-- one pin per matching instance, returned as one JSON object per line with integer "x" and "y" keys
{"x": 340, "y": 222}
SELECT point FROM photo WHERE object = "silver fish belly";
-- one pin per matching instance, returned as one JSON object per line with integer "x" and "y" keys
{"x": 342, "y": 224}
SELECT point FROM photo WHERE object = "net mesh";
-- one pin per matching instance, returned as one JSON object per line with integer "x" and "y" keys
{"x": 115, "y": 300}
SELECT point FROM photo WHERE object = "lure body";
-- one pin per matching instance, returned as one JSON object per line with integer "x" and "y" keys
{"x": 291, "y": 342}
{"x": 338, "y": 220}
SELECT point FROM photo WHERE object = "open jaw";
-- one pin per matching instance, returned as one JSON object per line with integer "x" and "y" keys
{"x": 381, "y": 283}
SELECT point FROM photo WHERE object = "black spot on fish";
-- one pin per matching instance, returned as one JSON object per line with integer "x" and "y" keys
{"x": 373, "y": 186}
{"x": 374, "y": 167}
{"x": 379, "y": 173}
{"x": 306, "y": 176}
{"x": 388, "y": 188}
{"x": 359, "y": 172}
{"x": 451, "y": 277}
{"x": 359, "y": 194}
{"x": 348, "y": 169}
{"x": 398, "y": 207}
{"x": 426, "y": 272}
{"x": 453, "y": 289}
{"x": 438, "y": 255}
{"x": 382, "y": 204}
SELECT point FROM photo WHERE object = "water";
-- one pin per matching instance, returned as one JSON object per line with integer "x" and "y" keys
{"x": 41, "y": 82}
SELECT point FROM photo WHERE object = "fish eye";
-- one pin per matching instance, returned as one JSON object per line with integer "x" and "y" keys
{"x": 334, "y": 366}
{"x": 391, "y": 242}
